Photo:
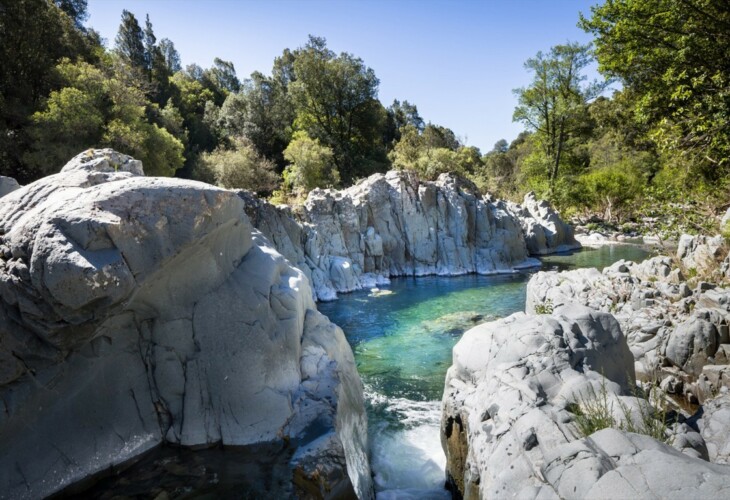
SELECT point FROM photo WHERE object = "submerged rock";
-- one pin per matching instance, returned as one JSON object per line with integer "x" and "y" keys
{"x": 139, "y": 311}
{"x": 395, "y": 225}
{"x": 510, "y": 404}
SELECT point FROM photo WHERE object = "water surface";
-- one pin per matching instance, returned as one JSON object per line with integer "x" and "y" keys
{"x": 402, "y": 341}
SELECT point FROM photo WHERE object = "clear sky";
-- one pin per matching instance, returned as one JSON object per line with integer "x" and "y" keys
{"x": 458, "y": 61}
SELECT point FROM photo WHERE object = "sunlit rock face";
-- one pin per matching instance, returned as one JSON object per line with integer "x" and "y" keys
{"x": 396, "y": 225}
{"x": 677, "y": 335}
{"x": 140, "y": 311}
{"x": 509, "y": 408}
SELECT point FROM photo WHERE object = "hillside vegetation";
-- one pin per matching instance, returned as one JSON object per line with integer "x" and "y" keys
{"x": 659, "y": 145}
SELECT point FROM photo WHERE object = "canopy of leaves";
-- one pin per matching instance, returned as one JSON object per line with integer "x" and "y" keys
{"x": 95, "y": 108}
{"x": 433, "y": 152}
{"x": 335, "y": 99}
{"x": 673, "y": 56}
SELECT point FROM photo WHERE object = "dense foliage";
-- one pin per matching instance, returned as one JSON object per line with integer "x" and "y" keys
{"x": 661, "y": 142}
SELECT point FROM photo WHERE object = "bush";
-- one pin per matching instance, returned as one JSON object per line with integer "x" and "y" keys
{"x": 544, "y": 308}
{"x": 241, "y": 167}
{"x": 311, "y": 164}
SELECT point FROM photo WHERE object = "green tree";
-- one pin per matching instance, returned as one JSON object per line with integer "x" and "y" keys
{"x": 262, "y": 112}
{"x": 335, "y": 98}
{"x": 74, "y": 9}
{"x": 150, "y": 45}
{"x": 97, "y": 108}
{"x": 191, "y": 98}
{"x": 672, "y": 55}
{"x": 242, "y": 167}
{"x": 223, "y": 74}
{"x": 311, "y": 164}
{"x": 34, "y": 36}
{"x": 554, "y": 106}
{"x": 398, "y": 116}
{"x": 430, "y": 153}
{"x": 170, "y": 56}
{"x": 130, "y": 41}
{"x": 614, "y": 188}
{"x": 502, "y": 167}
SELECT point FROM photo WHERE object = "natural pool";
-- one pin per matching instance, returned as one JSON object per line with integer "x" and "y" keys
{"x": 402, "y": 342}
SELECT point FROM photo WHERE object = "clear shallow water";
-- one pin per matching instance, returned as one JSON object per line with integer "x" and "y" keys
{"x": 402, "y": 341}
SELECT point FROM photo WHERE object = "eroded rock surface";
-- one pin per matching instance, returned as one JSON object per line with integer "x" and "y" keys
{"x": 545, "y": 232}
{"x": 138, "y": 311}
{"x": 395, "y": 225}
{"x": 677, "y": 335}
{"x": 510, "y": 400}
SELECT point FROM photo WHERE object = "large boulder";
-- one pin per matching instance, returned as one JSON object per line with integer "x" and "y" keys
{"x": 7, "y": 185}
{"x": 142, "y": 311}
{"x": 510, "y": 404}
{"x": 394, "y": 225}
{"x": 545, "y": 232}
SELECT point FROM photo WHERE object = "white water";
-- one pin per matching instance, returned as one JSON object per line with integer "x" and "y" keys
{"x": 406, "y": 456}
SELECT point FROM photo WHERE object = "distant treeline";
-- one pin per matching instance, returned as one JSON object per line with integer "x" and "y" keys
{"x": 315, "y": 120}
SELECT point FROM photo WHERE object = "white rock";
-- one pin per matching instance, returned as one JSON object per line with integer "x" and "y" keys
{"x": 137, "y": 311}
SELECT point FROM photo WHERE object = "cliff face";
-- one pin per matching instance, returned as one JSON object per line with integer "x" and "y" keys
{"x": 139, "y": 311}
{"x": 394, "y": 225}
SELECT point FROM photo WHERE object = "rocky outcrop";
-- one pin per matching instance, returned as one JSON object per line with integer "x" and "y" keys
{"x": 395, "y": 225}
{"x": 544, "y": 230}
{"x": 510, "y": 406}
{"x": 678, "y": 336}
{"x": 701, "y": 254}
{"x": 139, "y": 311}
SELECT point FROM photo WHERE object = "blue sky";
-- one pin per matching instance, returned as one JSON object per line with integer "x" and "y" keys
{"x": 458, "y": 61}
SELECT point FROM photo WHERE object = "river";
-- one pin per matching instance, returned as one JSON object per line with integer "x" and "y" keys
{"x": 402, "y": 337}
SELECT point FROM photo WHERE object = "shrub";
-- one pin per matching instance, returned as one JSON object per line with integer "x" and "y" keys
{"x": 241, "y": 167}
{"x": 544, "y": 308}
{"x": 311, "y": 164}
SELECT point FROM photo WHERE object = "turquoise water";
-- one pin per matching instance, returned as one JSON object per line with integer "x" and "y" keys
{"x": 402, "y": 337}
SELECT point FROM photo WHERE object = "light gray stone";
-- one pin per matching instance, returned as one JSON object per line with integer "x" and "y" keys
{"x": 545, "y": 232}
{"x": 691, "y": 344}
{"x": 396, "y": 225}
{"x": 507, "y": 430}
{"x": 7, "y": 185}
{"x": 137, "y": 311}
{"x": 714, "y": 426}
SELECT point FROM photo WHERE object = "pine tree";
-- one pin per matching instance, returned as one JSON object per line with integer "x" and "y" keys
{"x": 171, "y": 55}
{"x": 149, "y": 45}
{"x": 129, "y": 41}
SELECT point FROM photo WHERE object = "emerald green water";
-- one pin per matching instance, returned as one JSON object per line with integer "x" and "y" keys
{"x": 402, "y": 338}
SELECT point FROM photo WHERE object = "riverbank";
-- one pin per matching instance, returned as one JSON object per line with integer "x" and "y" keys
{"x": 546, "y": 392}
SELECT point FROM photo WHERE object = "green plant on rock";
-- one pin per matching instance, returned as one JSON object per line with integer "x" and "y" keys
{"x": 544, "y": 308}
{"x": 594, "y": 412}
